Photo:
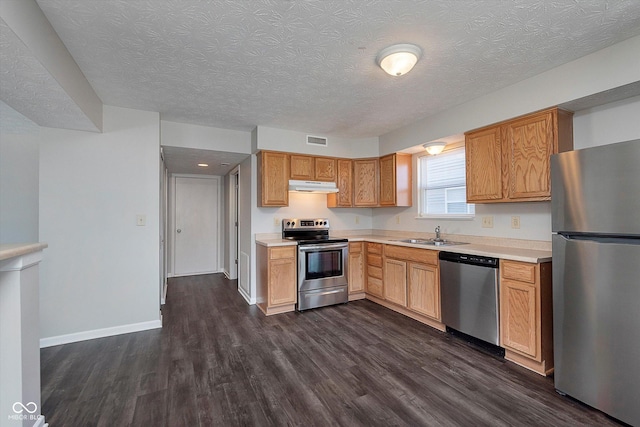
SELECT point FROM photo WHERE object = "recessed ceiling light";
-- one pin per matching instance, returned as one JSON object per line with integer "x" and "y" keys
{"x": 203, "y": 165}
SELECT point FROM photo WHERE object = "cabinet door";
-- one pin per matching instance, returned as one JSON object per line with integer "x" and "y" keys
{"x": 388, "y": 180}
{"x": 365, "y": 173}
{"x": 302, "y": 167}
{"x": 483, "y": 152}
{"x": 424, "y": 290}
{"x": 519, "y": 323}
{"x": 530, "y": 144}
{"x": 325, "y": 169}
{"x": 282, "y": 281}
{"x": 356, "y": 268}
{"x": 395, "y": 281}
{"x": 344, "y": 182}
{"x": 273, "y": 176}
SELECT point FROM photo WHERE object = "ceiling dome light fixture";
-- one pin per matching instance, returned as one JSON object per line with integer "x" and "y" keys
{"x": 398, "y": 59}
{"x": 435, "y": 147}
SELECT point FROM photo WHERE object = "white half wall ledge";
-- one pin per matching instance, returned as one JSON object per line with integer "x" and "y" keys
{"x": 99, "y": 333}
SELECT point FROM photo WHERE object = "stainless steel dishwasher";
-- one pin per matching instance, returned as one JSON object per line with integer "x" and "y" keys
{"x": 469, "y": 295}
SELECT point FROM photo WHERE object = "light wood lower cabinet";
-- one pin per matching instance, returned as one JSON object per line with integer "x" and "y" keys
{"x": 526, "y": 326}
{"x": 374, "y": 284}
{"x": 412, "y": 279}
{"x": 356, "y": 270}
{"x": 277, "y": 275}
{"x": 395, "y": 281}
{"x": 424, "y": 290}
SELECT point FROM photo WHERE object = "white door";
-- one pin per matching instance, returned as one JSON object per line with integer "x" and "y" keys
{"x": 196, "y": 226}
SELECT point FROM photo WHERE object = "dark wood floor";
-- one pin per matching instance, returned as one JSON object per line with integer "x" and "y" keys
{"x": 218, "y": 361}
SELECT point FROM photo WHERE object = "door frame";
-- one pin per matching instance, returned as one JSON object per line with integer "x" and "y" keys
{"x": 172, "y": 220}
{"x": 234, "y": 222}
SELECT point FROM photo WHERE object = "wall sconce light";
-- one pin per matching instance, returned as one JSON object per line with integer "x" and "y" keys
{"x": 435, "y": 147}
{"x": 398, "y": 59}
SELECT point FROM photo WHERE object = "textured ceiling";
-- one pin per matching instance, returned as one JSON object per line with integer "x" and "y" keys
{"x": 28, "y": 87}
{"x": 310, "y": 65}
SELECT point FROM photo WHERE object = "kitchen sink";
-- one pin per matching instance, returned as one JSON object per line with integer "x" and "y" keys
{"x": 431, "y": 242}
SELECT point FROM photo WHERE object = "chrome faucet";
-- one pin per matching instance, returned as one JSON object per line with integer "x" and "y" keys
{"x": 438, "y": 234}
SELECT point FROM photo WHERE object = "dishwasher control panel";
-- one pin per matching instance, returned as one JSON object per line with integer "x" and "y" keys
{"x": 469, "y": 259}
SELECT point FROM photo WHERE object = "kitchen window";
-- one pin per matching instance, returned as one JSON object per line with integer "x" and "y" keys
{"x": 442, "y": 189}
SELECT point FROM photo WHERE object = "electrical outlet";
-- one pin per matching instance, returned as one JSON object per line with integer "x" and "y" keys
{"x": 276, "y": 221}
{"x": 487, "y": 222}
{"x": 515, "y": 222}
{"x": 357, "y": 219}
{"x": 141, "y": 220}
{"x": 397, "y": 219}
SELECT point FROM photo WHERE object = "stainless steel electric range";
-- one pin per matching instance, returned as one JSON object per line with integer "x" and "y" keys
{"x": 322, "y": 262}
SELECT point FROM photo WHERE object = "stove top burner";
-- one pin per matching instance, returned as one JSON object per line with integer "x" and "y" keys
{"x": 308, "y": 231}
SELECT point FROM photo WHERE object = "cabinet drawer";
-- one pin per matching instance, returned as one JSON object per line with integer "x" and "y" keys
{"x": 374, "y": 248}
{"x": 282, "y": 252}
{"x": 374, "y": 286}
{"x": 375, "y": 260}
{"x": 424, "y": 256}
{"x": 355, "y": 247}
{"x": 374, "y": 272}
{"x": 520, "y": 271}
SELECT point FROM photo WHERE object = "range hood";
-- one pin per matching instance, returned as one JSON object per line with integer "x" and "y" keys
{"x": 312, "y": 186}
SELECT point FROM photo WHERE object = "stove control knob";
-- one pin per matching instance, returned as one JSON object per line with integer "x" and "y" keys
{"x": 288, "y": 223}
{"x": 317, "y": 222}
{"x": 293, "y": 223}
{"x": 325, "y": 223}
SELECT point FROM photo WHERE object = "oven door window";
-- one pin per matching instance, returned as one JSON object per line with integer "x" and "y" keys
{"x": 323, "y": 264}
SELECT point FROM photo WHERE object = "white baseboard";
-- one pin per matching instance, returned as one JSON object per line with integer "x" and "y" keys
{"x": 40, "y": 422}
{"x": 99, "y": 333}
{"x": 247, "y": 298}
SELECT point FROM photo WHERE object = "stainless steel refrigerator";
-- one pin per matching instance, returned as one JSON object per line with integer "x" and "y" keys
{"x": 596, "y": 277}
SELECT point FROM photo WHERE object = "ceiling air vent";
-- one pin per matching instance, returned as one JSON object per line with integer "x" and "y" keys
{"x": 316, "y": 140}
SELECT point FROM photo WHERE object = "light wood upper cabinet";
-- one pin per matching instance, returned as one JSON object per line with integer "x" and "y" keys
{"x": 395, "y": 180}
{"x": 483, "y": 151}
{"x": 311, "y": 168}
{"x": 302, "y": 167}
{"x": 526, "y": 314}
{"x": 510, "y": 161}
{"x": 365, "y": 185}
{"x": 273, "y": 176}
{"x": 325, "y": 169}
{"x": 344, "y": 182}
{"x": 277, "y": 279}
{"x": 356, "y": 267}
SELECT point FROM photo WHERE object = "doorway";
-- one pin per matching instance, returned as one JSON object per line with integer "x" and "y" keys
{"x": 196, "y": 224}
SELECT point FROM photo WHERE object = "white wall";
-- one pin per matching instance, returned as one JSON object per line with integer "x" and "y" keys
{"x": 101, "y": 271}
{"x": 204, "y": 137}
{"x": 18, "y": 187}
{"x": 296, "y": 142}
{"x": 247, "y": 203}
{"x": 605, "y": 69}
{"x": 607, "y": 124}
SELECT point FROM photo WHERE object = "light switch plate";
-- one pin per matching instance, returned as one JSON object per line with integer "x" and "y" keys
{"x": 276, "y": 221}
{"x": 515, "y": 221}
{"x": 141, "y": 220}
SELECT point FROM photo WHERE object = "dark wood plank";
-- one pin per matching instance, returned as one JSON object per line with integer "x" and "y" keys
{"x": 218, "y": 361}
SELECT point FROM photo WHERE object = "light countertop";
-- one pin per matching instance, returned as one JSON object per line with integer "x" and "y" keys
{"x": 502, "y": 252}
{"x": 12, "y": 250}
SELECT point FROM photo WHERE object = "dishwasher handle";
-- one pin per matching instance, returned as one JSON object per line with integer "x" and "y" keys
{"x": 483, "y": 261}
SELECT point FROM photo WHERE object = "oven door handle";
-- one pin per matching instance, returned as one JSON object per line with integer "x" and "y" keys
{"x": 307, "y": 248}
